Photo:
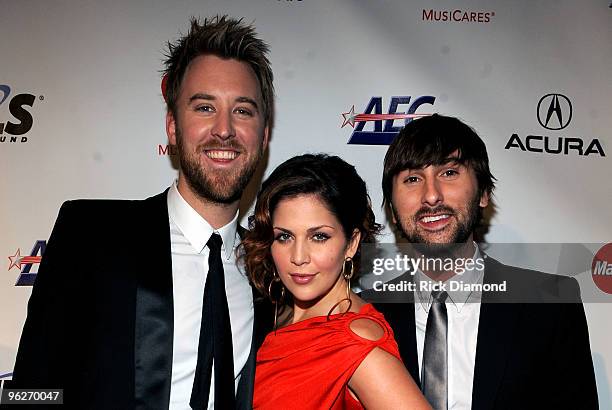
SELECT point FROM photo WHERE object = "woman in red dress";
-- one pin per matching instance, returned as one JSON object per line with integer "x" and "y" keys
{"x": 329, "y": 349}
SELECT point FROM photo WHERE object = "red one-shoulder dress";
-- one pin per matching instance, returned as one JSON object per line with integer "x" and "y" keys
{"x": 308, "y": 364}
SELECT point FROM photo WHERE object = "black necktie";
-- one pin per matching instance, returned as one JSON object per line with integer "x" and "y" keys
{"x": 215, "y": 338}
{"x": 435, "y": 357}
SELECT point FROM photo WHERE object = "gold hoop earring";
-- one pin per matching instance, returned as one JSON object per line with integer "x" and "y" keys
{"x": 347, "y": 277}
{"x": 276, "y": 279}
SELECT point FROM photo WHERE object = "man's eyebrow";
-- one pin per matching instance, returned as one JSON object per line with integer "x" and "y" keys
{"x": 452, "y": 160}
{"x": 201, "y": 96}
{"x": 209, "y": 97}
{"x": 455, "y": 160}
{"x": 248, "y": 100}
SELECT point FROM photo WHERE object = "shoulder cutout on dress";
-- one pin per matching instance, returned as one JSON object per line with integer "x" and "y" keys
{"x": 367, "y": 329}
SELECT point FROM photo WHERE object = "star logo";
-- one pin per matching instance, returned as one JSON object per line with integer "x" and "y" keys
{"x": 349, "y": 117}
{"x": 17, "y": 260}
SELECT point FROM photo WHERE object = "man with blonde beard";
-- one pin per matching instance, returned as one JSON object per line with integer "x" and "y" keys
{"x": 163, "y": 318}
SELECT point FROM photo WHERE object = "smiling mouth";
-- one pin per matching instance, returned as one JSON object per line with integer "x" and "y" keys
{"x": 434, "y": 223}
{"x": 223, "y": 155}
{"x": 434, "y": 218}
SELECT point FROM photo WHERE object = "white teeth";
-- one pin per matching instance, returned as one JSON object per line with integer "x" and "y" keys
{"x": 434, "y": 218}
{"x": 219, "y": 154}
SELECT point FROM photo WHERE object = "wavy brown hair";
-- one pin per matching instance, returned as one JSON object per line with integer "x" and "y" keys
{"x": 338, "y": 186}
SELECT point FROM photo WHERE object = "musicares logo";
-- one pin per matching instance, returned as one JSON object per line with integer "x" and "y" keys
{"x": 458, "y": 16}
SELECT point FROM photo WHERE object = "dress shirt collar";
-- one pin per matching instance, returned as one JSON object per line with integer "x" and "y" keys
{"x": 195, "y": 228}
{"x": 458, "y": 298}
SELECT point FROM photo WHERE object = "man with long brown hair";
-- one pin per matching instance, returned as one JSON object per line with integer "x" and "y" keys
{"x": 525, "y": 344}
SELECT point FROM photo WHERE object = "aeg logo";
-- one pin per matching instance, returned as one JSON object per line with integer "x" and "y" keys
{"x": 373, "y": 112}
{"x": 16, "y": 109}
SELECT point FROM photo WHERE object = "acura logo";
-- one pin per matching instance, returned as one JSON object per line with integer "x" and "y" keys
{"x": 554, "y": 111}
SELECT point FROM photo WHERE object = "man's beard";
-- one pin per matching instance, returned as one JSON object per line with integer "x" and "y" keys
{"x": 464, "y": 229}
{"x": 223, "y": 188}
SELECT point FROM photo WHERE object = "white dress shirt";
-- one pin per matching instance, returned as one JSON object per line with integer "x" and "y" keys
{"x": 463, "y": 313}
{"x": 189, "y": 233}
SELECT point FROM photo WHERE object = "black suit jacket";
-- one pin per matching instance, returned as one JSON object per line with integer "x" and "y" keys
{"x": 528, "y": 355}
{"x": 100, "y": 318}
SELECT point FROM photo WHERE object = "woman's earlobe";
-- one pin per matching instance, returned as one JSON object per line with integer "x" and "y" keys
{"x": 353, "y": 244}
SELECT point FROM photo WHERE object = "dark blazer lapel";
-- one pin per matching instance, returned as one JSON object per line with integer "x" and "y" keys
{"x": 496, "y": 327}
{"x": 262, "y": 325}
{"x": 400, "y": 317}
{"x": 154, "y": 307}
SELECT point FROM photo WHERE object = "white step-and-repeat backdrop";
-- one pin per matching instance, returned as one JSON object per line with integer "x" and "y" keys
{"x": 82, "y": 116}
